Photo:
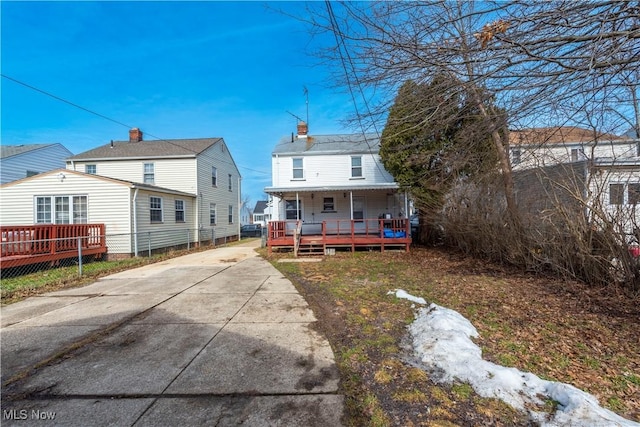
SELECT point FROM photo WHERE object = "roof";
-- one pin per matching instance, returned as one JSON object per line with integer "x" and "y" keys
{"x": 260, "y": 206}
{"x": 333, "y": 188}
{"x": 7, "y": 151}
{"x": 559, "y": 135}
{"x": 329, "y": 144}
{"x": 131, "y": 184}
{"x": 149, "y": 149}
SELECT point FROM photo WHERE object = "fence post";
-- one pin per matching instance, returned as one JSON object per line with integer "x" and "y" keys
{"x": 79, "y": 256}
{"x": 188, "y": 239}
{"x": 149, "y": 243}
{"x": 213, "y": 237}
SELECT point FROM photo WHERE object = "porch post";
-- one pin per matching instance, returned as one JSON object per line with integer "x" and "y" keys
{"x": 351, "y": 205}
{"x": 297, "y": 207}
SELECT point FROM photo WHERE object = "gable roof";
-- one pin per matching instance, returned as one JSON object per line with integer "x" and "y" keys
{"x": 131, "y": 184}
{"x": 560, "y": 135}
{"x": 260, "y": 206}
{"x": 162, "y": 148}
{"x": 329, "y": 144}
{"x": 7, "y": 151}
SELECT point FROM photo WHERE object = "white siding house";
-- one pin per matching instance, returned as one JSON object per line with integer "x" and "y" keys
{"x": 332, "y": 177}
{"x": 21, "y": 161}
{"x": 64, "y": 196}
{"x": 202, "y": 167}
{"x": 611, "y": 166}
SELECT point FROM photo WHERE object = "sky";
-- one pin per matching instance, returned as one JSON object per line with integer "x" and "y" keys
{"x": 236, "y": 70}
{"x": 442, "y": 343}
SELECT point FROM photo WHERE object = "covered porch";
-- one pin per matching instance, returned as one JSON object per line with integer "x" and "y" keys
{"x": 314, "y": 220}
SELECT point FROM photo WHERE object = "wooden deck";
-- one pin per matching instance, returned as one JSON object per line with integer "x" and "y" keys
{"x": 38, "y": 243}
{"x": 311, "y": 239}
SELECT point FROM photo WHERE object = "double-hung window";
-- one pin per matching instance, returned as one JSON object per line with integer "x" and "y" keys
{"x": 298, "y": 170}
{"x": 179, "y": 205}
{"x": 61, "y": 210}
{"x": 230, "y": 214}
{"x": 230, "y": 183}
{"x": 212, "y": 213}
{"x": 516, "y": 156}
{"x": 356, "y": 166}
{"x": 328, "y": 204}
{"x": 149, "y": 173}
{"x": 292, "y": 209}
{"x": 214, "y": 176}
{"x": 155, "y": 209}
{"x": 618, "y": 191}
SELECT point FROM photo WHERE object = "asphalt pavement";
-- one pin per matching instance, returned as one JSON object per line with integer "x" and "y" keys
{"x": 214, "y": 338}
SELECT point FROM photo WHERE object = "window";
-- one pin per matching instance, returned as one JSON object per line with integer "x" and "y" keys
{"x": 633, "y": 193}
{"x": 230, "y": 183}
{"x": 90, "y": 169}
{"x": 298, "y": 171}
{"x": 230, "y": 214}
{"x": 212, "y": 213}
{"x": 356, "y": 167}
{"x": 155, "y": 208}
{"x": 80, "y": 215}
{"x": 292, "y": 209}
{"x": 149, "y": 174}
{"x": 61, "y": 210}
{"x": 616, "y": 194}
{"x": 516, "y": 156}
{"x": 179, "y": 204}
{"x": 43, "y": 210}
{"x": 214, "y": 176}
{"x": 328, "y": 205}
{"x": 358, "y": 208}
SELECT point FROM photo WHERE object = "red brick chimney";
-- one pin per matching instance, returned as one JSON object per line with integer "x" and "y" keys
{"x": 135, "y": 135}
{"x": 303, "y": 129}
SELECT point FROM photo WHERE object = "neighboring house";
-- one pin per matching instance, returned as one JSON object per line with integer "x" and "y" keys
{"x": 604, "y": 168}
{"x": 333, "y": 180}
{"x": 152, "y": 194}
{"x": 133, "y": 213}
{"x": 261, "y": 213}
{"x": 21, "y": 161}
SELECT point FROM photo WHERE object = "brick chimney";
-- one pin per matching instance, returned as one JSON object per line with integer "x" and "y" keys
{"x": 135, "y": 135}
{"x": 303, "y": 129}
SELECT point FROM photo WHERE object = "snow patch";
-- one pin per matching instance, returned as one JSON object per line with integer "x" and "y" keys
{"x": 399, "y": 293}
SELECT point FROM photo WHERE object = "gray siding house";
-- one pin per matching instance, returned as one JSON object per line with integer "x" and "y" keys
{"x": 21, "y": 161}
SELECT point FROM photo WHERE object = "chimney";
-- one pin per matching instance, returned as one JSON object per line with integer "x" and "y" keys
{"x": 135, "y": 135}
{"x": 302, "y": 130}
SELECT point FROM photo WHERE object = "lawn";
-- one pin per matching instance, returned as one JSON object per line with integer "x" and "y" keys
{"x": 559, "y": 330}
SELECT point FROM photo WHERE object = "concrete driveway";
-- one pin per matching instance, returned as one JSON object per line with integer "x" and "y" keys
{"x": 212, "y": 338}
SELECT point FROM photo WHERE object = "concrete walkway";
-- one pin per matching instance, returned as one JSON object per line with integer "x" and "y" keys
{"x": 215, "y": 338}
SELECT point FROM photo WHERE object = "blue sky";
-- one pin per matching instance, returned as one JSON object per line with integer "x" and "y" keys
{"x": 173, "y": 69}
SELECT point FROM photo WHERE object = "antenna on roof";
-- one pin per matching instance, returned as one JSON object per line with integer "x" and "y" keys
{"x": 112, "y": 143}
{"x": 299, "y": 119}
{"x": 306, "y": 95}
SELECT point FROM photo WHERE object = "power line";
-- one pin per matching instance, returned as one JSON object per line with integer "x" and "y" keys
{"x": 120, "y": 123}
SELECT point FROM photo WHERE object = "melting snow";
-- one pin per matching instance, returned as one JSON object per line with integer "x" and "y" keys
{"x": 442, "y": 342}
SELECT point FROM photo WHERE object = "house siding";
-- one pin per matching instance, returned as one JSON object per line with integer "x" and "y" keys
{"x": 38, "y": 160}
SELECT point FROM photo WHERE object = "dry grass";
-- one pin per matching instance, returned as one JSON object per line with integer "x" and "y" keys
{"x": 559, "y": 330}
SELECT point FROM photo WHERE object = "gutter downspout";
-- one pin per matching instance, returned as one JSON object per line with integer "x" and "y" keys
{"x": 239, "y": 204}
{"x": 135, "y": 222}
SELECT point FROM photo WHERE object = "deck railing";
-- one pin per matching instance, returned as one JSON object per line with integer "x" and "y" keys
{"x": 48, "y": 242}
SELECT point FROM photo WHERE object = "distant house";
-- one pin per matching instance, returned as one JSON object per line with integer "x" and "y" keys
{"x": 603, "y": 169}
{"x": 261, "y": 213}
{"x": 183, "y": 189}
{"x": 21, "y": 161}
{"x": 335, "y": 183}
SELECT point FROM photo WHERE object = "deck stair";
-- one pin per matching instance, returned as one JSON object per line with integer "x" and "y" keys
{"x": 311, "y": 246}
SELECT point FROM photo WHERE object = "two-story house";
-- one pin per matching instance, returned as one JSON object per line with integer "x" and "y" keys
{"x": 21, "y": 161}
{"x": 335, "y": 185}
{"x": 149, "y": 194}
{"x": 601, "y": 169}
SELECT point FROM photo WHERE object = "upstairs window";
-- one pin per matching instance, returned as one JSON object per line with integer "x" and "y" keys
{"x": 356, "y": 167}
{"x": 91, "y": 169}
{"x": 149, "y": 173}
{"x": 155, "y": 209}
{"x": 516, "y": 156}
{"x": 298, "y": 171}
{"x": 230, "y": 183}
{"x": 214, "y": 176}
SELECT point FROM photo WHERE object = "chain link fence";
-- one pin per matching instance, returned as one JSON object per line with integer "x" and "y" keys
{"x": 26, "y": 249}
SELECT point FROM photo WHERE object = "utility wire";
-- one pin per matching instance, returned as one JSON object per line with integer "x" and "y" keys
{"x": 122, "y": 124}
